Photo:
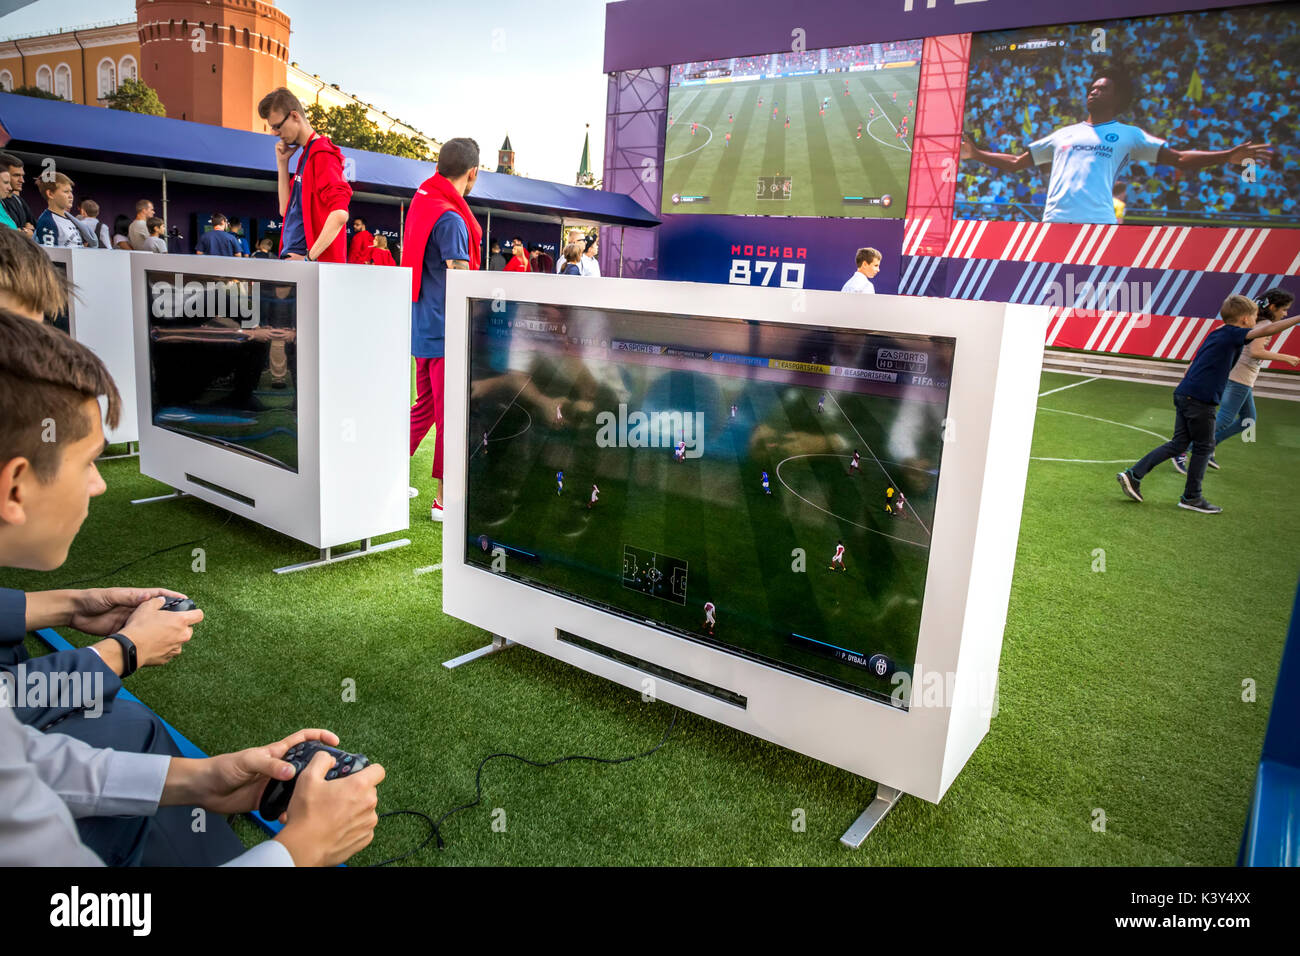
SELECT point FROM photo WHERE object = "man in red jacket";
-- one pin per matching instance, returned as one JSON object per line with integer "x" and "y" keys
{"x": 362, "y": 242}
{"x": 441, "y": 233}
{"x": 314, "y": 198}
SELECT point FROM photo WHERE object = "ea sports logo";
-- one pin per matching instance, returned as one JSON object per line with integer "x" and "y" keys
{"x": 1112, "y": 137}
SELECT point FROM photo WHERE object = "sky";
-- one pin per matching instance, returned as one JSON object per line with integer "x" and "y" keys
{"x": 529, "y": 69}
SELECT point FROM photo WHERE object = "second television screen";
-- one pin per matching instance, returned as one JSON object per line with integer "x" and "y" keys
{"x": 815, "y": 133}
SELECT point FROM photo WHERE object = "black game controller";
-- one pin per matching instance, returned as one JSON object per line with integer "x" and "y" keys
{"x": 178, "y": 604}
{"x": 278, "y": 793}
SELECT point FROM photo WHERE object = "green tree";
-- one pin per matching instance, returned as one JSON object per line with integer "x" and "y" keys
{"x": 135, "y": 96}
{"x": 38, "y": 93}
{"x": 349, "y": 126}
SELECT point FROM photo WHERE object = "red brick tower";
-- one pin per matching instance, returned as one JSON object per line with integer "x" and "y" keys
{"x": 211, "y": 61}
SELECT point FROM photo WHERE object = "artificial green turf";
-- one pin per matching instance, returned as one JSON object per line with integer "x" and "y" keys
{"x": 873, "y": 165}
{"x": 1121, "y": 690}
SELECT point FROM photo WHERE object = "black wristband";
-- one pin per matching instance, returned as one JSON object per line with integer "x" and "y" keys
{"x": 129, "y": 662}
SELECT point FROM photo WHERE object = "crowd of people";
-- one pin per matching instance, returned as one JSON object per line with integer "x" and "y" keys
{"x": 1201, "y": 80}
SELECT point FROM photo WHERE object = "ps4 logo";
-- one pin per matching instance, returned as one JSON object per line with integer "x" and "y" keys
{"x": 931, "y": 4}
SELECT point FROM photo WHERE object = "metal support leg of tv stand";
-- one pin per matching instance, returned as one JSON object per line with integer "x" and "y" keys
{"x": 132, "y": 451}
{"x": 886, "y": 799}
{"x": 327, "y": 555}
{"x": 170, "y": 497}
{"x": 498, "y": 644}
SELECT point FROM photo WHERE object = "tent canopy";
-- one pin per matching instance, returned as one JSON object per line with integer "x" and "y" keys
{"x": 125, "y": 139}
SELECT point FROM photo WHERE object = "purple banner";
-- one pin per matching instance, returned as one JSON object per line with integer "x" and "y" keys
{"x": 648, "y": 33}
{"x": 775, "y": 252}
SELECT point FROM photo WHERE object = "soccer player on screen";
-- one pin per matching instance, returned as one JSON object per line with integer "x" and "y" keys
{"x": 856, "y": 462}
{"x": 559, "y": 482}
{"x": 680, "y": 451}
{"x": 559, "y": 417}
{"x": 821, "y": 403}
{"x": 709, "y": 619}
{"x": 837, "y": 562}
{"x": 595, "y": 496}
{"x": 1088, "y": 157}
{"x": 767, "y": 488}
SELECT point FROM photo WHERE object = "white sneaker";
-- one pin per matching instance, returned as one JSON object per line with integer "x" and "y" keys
{"x": 436, "y": 512}
{"x": 412, "y": 492}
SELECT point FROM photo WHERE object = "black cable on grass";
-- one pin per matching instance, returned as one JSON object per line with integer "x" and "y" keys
{"x": 478, "y": 778}
{"x": 151, "y": 554}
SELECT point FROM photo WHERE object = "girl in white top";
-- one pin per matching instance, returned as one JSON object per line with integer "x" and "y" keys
{"x": 1237, "y": 408}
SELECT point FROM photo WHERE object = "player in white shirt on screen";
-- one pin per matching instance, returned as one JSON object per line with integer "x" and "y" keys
{"x": 595, "y": 495}
{"x": 680, "y": 452}
{"x": 1088, "y": 157}
{"x": 559, "y": 416}
{"x": 868, "y": 261}
{"x": 856, "y": 462}
{"x": 709, "y": 620}
{"x": 837, "y": 562}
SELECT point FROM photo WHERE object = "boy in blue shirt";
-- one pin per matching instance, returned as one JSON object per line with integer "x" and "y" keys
{"x": 1196, "y": 401}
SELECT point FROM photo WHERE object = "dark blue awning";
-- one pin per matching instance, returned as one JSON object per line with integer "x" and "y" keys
{"x": 93, "y": 133}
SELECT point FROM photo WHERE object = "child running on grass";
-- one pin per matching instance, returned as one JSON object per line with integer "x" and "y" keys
{"x": 1197, "y": 397}
{"x": 1237, "y": 409}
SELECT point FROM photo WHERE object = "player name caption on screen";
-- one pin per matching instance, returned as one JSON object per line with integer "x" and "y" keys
{"x": 659, "y": 429}
{"x": 207, "y": 299}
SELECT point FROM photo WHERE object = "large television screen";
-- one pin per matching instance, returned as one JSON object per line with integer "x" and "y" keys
{"x": 763, "y": 488}
{"x": 1182, "y": 119}
{"x": 815, "y": 133}
{"x": 223, "y": 362}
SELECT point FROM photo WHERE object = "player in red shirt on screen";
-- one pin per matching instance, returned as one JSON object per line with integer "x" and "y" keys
{"x": 837, "y": 562}
{"x": 709, "y": 618}
{"x": 856, "y": 462}
{"x": 728, "y": 141}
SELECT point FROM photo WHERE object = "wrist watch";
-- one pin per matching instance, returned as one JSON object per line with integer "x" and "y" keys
{"x": 129, "y": 662}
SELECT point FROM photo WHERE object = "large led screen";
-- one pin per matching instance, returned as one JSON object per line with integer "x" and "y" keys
{"x": 1187, "y": 119}
{"x": 813, "y": 133}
